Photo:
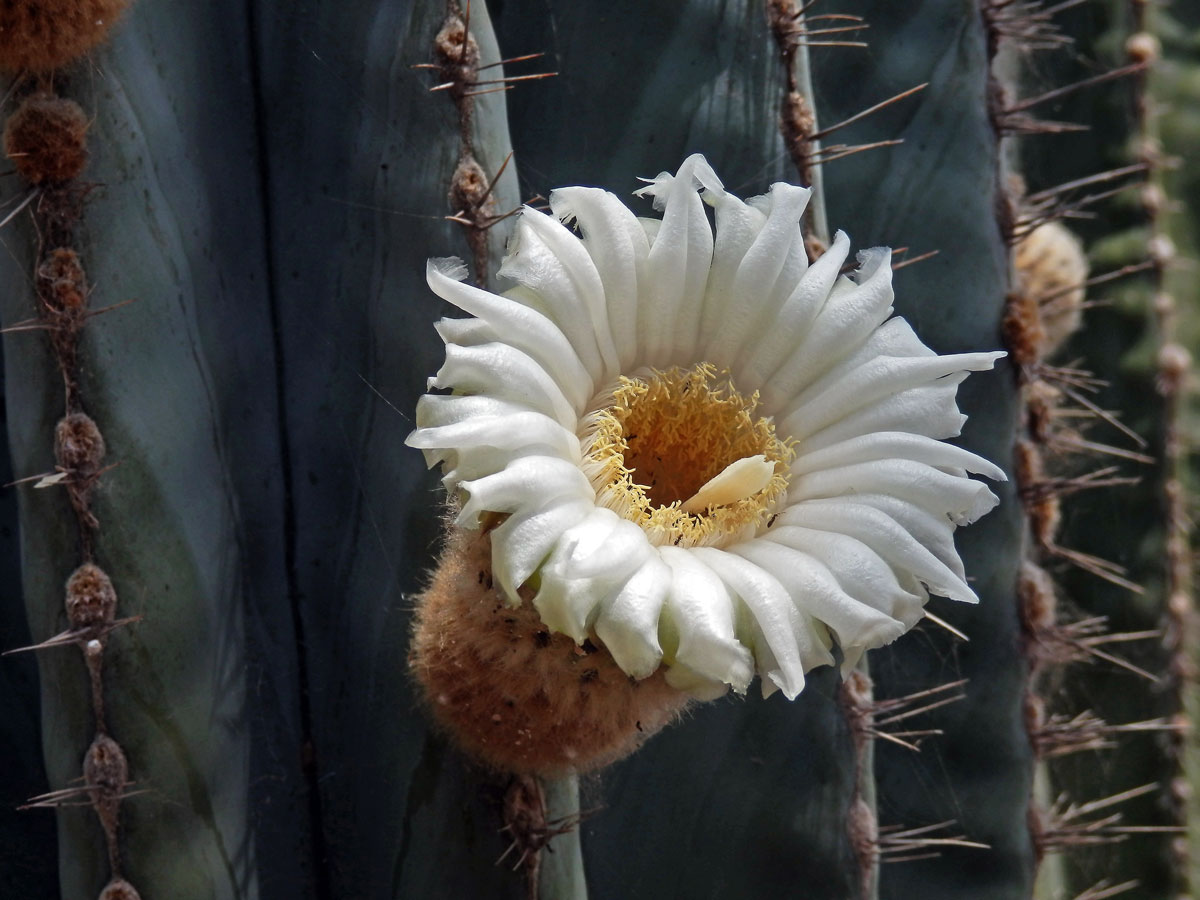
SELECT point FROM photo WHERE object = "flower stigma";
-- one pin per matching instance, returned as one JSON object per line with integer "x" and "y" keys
{"x": 682, "y": 454}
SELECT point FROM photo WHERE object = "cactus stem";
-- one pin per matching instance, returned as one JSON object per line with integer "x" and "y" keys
{"x": 1174, "y": 370}
{"x": 47, "y": 138}
{"x": 857, "y": 701}
{"x": 798, "y": 115}
{"x": 529, "y": 821}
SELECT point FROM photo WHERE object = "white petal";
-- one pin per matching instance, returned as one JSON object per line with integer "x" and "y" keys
{"x": 896, "y": 445}
{"x": 886, "y": 537}
{"x": 788, "y": 638}
{"x": 794, "y": 320}
{"x": 894, "y": 337}
{"x": 857, "y": 567}
{"x": 618, "y": 245}
{"x": 738, "y": 224}
{"x": 852, "y": 312}
{"x": 526, "y": 483}
{"x": 576, "y": 262}
{"x": 684, "y": 679}
{"x": 933, "y": 531}
{"x": 753, "y": 301}
{"x": 504, "y": 372}
{"x": 876, "y": 381}
{"x": 547, "y": 285}
{"x": 677, "y": 266}
{"x": 471, "y": 463}
{"x": 628, "y": 623}
{"x": 519, "y": 326}
{"x": 589, "y": 565}
{"x": 508, "y": 432}
{"x": 697, "y": 623}
{"x": 465, "y": 332}
{"x": 435, "y": 410}
{"x": 962, "y": 499}
{"x": 930, "y": 410}
{"x": 521, "y": 543}
{"x": 740, "y": 479}
{"x": 814, "y": 588}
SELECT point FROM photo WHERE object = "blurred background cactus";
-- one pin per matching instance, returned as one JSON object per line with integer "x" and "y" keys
{"x": 215, "y": 235}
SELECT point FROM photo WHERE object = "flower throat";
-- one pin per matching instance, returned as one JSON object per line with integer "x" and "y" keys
{"x": 682, "y": 454}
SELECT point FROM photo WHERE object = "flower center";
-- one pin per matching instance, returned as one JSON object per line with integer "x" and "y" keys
{"x": 682, "y": 454}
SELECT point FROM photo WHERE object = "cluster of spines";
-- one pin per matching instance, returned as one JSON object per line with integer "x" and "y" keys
{"x": 456, "y": 66}
{"x": 1040, "y": 315}
{"x": 45, "y": 138}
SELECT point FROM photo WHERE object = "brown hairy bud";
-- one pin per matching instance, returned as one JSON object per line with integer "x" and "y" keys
{"x": 40, "y": 35}
{"x": 457, "y": 55}
{"x": 46, "y": 139}
{"x": 78, "y": 444}
{"x": 512, "y": 694}
{"x": 106, "y": 773}
{"x": 61, "y": 281}
{"x": 91, "y": 597}
{"x": 1142, "y": 47}
{"x": 1052, "y": 270}
{"x": 119, "y": 889}
{"x": 1039, "y": 606}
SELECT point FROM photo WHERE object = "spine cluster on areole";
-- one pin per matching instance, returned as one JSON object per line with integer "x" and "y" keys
{"x": 45, "y": 138}
{"x": 1045, "y": 306}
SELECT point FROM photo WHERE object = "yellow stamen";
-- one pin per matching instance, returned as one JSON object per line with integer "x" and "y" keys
{"x": 682, "y": 454}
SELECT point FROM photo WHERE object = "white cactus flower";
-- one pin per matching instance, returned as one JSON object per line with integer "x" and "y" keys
{"x": 696, "y": 447}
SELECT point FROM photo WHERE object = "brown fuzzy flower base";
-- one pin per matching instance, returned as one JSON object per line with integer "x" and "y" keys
{"x": 512, "y": 694}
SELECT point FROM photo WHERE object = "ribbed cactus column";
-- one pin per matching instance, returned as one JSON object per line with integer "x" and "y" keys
{"x": 166, "y": 225}
{"x": 359, "y": 159}
{"x": 937, "y": 191}
{"x": 269, "y": 185}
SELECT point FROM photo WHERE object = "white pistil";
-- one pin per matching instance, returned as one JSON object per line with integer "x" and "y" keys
{"x": 739, "y": 480}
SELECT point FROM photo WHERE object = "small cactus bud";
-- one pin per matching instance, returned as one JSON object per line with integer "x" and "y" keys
{"x": 1142, "y": 47}
{"x": 469, "y": 187}
{"x": 106, "y": 772}
{"x": 78, "y": 444}
{"x": 46, "y": 139}
{"x": 40, "y": 35}
{"x": 61, "y": 280}
{"x": 91, "y": 598}
{"x": 105, "y": 767}
{"x": 457, "y": 54}
{"x": 1154, "y": 200}
{"x": 515, "y": 696}
{"x": 1023, "y": 332}
{"x": 1174, "y": 361}
{"x": 1161, "y": 249}
{"x": 1052, "y": 269}
{"x": 1180, "y": 604}
{"x": 1035, "y": 714}
{"x": 119, "y": 889}
{"x": 1043, "y": 400}
{"x": 1038, "y": 602}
